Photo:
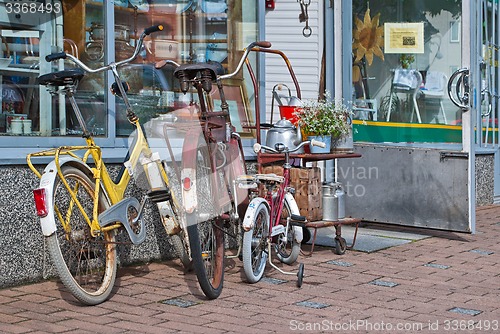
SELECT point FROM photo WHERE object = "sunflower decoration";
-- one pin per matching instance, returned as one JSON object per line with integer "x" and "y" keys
{"x": 368, "y": 38}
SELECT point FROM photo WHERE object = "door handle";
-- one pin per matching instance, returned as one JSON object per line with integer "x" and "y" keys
{"x": 461, "y": 96}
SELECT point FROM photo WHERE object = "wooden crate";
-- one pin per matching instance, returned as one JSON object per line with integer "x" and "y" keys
{"x": 308, "y": 190}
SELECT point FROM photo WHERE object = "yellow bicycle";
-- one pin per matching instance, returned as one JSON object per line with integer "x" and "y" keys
{"x": 81, "y": 207}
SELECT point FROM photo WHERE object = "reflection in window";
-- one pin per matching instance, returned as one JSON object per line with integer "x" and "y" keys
{"x": 454, "y": 31}
{"x": 194, "y": 31}
{"x": 378, "y": 92}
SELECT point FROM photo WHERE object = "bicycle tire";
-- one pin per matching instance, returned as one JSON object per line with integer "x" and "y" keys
{"x": 255, "y": 245}
{"x": 288, "y": 248}
{"x": 179, "y": 240}
{"x": 206, "y": 237}
{"x": 180, "y": 246}
{"x": 86, "y": 265}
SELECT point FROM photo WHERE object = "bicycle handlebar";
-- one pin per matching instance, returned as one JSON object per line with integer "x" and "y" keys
{"x": 260, "y": 44}
{"x": 64, "y": 55}
{"x": 258, "y": 147}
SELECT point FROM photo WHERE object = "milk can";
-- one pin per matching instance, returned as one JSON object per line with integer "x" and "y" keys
{"x": 340, "y": 194}
{"x": 330, "y": 203}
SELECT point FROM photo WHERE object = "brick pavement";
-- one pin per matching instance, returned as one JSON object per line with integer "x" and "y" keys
{"x": 448, "y": 282}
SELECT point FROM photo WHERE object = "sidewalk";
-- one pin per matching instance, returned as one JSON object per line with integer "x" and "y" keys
{"x": 449, "y": 282}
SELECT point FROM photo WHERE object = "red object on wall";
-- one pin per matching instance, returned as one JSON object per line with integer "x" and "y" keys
{"x": 270, "y": 4}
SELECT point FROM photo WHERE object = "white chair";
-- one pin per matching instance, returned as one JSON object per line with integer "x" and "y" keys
{"x": 365, "y": 109}
{"x": 408, "y": 82}
{"x": 434, "y": 88}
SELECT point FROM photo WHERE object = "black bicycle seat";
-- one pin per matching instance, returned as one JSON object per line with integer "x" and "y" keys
{"x": 191, "y": 70}
{"x": 61, "y": 78}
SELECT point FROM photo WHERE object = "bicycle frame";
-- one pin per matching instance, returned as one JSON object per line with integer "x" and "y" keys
{"x": 276, "y": 203}
{"x": 113, "y": 190}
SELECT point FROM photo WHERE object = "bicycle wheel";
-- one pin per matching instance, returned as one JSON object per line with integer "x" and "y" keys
{"x": 206, "y": 236}
{"x": 179, "y": 240}
{"x": 86, "y": 265}
{"x": 255, "y": 245}
{"x": 181, "y": 249}
{"x": 287, "y": 247}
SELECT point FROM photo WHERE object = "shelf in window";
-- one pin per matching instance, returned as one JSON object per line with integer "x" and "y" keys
{"x": 21, "y": 71}
{"x": 117, "y": 8}
{"x": 207, "y": 15}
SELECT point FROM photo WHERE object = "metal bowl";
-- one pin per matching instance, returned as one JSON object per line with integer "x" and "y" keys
{"x": 5, "y": 62}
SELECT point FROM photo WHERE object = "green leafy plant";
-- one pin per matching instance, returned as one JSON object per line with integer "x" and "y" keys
{"x": 325, "y": 117}
{"x": 406, "y": 60}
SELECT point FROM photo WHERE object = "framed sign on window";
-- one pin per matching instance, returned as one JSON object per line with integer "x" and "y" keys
{"x": 240, "y": 109}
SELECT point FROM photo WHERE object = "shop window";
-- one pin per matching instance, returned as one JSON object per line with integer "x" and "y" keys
{"x": 195, "y": 31}
{"x": 403, "y": 52}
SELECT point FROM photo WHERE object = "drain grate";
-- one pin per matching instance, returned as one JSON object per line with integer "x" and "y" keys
{"x": 435, "y": 265}
{"x": 481, "y": 251}
{"x": 465, "y": 311}
{"x": 310, "y": 304}
{"x": 386, "y": 284}
{"x": 340, "y": 263}
{"x": 179, "y": 302}
{"x": 275, "y": 281}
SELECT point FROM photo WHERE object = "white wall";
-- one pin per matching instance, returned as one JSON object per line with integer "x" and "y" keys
{"x": 284, "y": 31}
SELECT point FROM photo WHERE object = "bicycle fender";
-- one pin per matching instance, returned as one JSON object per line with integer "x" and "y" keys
{"x": 294, "y": 208}
{"x": 48, "y": 223}
{"x": 188, "y": 172}
{"x": 248, "y": 221}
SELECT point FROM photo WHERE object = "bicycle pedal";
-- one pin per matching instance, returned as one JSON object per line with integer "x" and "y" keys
{"x": 159, "y": 195}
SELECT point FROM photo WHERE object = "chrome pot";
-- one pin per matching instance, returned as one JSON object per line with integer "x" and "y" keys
{"x": 122, "y": 32}
{"x": 284, "y": 132}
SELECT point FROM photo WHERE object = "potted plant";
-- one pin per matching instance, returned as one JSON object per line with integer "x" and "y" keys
{"x": 325, "y": 119}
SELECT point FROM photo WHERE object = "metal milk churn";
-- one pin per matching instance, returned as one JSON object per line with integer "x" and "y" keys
{"x": 340, "y": 194}
{"x": 330, "y": 203}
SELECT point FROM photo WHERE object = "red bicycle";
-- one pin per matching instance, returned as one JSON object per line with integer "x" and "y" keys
{"x": 212, "y": 160}
{"x": 274, "y": 220}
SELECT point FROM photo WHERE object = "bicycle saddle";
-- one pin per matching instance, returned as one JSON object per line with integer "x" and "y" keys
{"x": 208, "y": 74}
{"x": 61, "y": 78}
{"x": 191, "y": 70}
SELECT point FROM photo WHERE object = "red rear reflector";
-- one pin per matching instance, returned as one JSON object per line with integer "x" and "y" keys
{"x": 40, "y": 202}
{"x": 186, "y": 183}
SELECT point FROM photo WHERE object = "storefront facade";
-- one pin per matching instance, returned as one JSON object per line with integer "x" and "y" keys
{"x": 422, "y": 84}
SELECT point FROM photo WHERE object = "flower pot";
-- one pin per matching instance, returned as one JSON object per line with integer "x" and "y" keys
{"x": 343, "y": 144}
{"x": 325, "y": 139}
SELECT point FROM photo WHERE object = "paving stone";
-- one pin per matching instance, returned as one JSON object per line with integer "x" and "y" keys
{"x": 437, "y": 266}
{"x": 312, "y": 304}
{"x": 482, "y": 251}
{"x": 466, "y": 311}
{"x": 340, "y": 263}
{"x": 179, "y": 302}
{"x": 384, "y": 283}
